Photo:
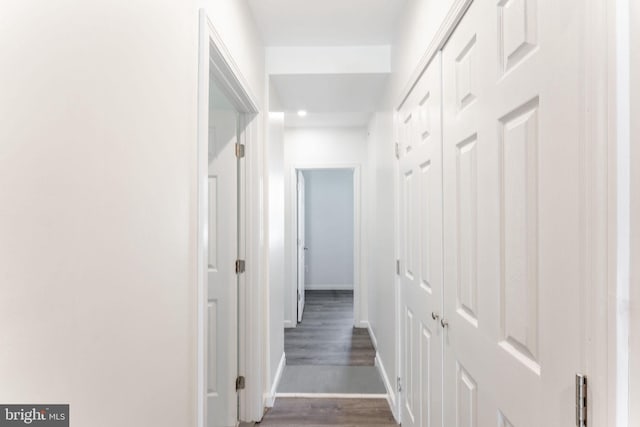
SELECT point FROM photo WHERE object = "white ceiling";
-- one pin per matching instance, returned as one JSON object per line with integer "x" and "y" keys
{"x": 326, "y": 22}
{"x": 333, "y": 120}
{"x": 331, "y": 100}
{"x": 338, "y": 100}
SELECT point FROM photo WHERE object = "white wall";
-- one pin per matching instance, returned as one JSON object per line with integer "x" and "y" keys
{"x": 275, "y": 160}
{"x": 328, "y": 59}
{"x": 318, "y": 147}
{"x": 98, "y": 203}
{"x": 234, "y": 22}
{"x": 634, "y": 341}
{"x": 329, "y": 229}
{"x": 418, "y": 25}
{"x": 380, "y": 239}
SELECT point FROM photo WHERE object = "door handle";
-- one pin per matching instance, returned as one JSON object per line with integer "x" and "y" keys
{"x": 444, "y": 323}
{"x": 434, "y": 315}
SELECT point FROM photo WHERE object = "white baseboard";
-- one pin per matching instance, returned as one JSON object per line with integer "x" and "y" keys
{"x": 391, "y": 392}
{"x": 333, "y": 395}
{"x": 289, "y": 324}
{"x": 271, "y": 397}
{"x": 325, "y": 287}
{"x": 374, "y": 340}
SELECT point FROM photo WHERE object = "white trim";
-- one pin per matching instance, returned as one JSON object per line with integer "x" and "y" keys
{"x": 391, "y": 393}
{"x": 623, "y": 209}
{"x": 329, "y": 287}
{"x": 214, "y": 60}
{"x": 598, "y": 207}
{"x": 289, "y": 324}
{"x": 332, "y": 395}
{"x": 358, "y": 294}
{"x": 270, "y": 398}
{"x": 397, "y": 281}
{"x": 374, "y": 340}
{"x": 455, "y": 14}
{"x": 203, "y": 130}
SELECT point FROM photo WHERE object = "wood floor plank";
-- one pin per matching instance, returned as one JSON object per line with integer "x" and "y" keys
{"x": 326, "y": 335}
{"x": 328, "y": 412}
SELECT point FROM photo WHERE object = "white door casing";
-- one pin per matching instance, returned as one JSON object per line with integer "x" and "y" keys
{"x": 302, "y": 248}
{"x": 420, "y": 166}
{"x": 237, "y": 347}
{"x": 512, "y": 220}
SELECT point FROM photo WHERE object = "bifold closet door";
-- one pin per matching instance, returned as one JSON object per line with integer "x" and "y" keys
{"x": 512, "y": 218}
{"x": 420, "y": 152}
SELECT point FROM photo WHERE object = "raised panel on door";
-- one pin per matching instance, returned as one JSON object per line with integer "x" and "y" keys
{"x": 511, "y": 108}
{"x": 421, "y": 251}
{"x": 222, "y": 240}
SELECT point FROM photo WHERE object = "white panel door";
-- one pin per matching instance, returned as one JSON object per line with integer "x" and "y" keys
{"x": 420, "y": 216}
{"x": 222, "y": 326}
{"x": 302, "y": 248}
{"x": 512, "y": 218}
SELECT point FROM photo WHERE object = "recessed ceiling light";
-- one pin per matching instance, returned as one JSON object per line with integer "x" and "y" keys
{"x": 302, "y": 113}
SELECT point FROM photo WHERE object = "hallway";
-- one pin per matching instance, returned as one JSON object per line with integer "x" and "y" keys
{"x": 326, "y": 355}
{"x": 326, "y": 335}
{"x": 329, "y": 412}
{"x": 152, "y": 253}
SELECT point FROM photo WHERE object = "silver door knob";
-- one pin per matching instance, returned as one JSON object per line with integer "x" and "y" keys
{"x": 434, "y": 315}
{"x": 444, "y": 323}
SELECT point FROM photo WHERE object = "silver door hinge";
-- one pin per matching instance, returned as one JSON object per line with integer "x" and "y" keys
{"x": 581, "y": 400}
{"x": 398, "y": 267}
{"x": 240, "y": 383}
{"x": 240, "y": 266}
{"x": 239, "y": 150}
{"x": 399, "y": 385}
{"x": 397, "y": 150}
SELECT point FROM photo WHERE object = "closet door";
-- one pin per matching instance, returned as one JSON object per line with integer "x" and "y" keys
{"x": 420, "y": 153}
{"x": 512, "y": 214}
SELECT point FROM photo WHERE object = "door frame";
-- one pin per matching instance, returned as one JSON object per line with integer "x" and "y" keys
{"x": 215, "y": 59}
{"x": 599, "y": 138}
{"x": 299, "y": 204}
{"x": 358, "y": 293}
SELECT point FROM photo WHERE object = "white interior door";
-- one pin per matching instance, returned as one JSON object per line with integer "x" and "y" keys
{"x": 222, "y": 326}
{"x": 512, "y": 214}
{"x": 421, "y": 252}
{"x": 302, "y": 248}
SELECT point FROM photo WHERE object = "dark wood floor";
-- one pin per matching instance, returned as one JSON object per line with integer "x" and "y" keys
{"x": 329, "y": 412}
{"x": 326, "y": 335}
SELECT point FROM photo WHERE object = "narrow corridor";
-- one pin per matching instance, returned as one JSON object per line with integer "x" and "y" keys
{"x": 326, "y": 335}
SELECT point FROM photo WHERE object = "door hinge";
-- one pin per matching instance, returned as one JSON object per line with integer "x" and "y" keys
{"x": 239, "y": 150}
{"x": 240, "y": 266}
{"x": 581, "y": 400}
{"x": 399, "y": 385}
{"x": 397, "y": 150}
{"x": 398, "y": 267}
{"x": 240, "y": 383}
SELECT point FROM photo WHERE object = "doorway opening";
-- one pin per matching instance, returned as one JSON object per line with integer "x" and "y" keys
{"x": 325, "y": 215}
{"x": 226, "y": 124}
{"x": 325, "y": 352}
